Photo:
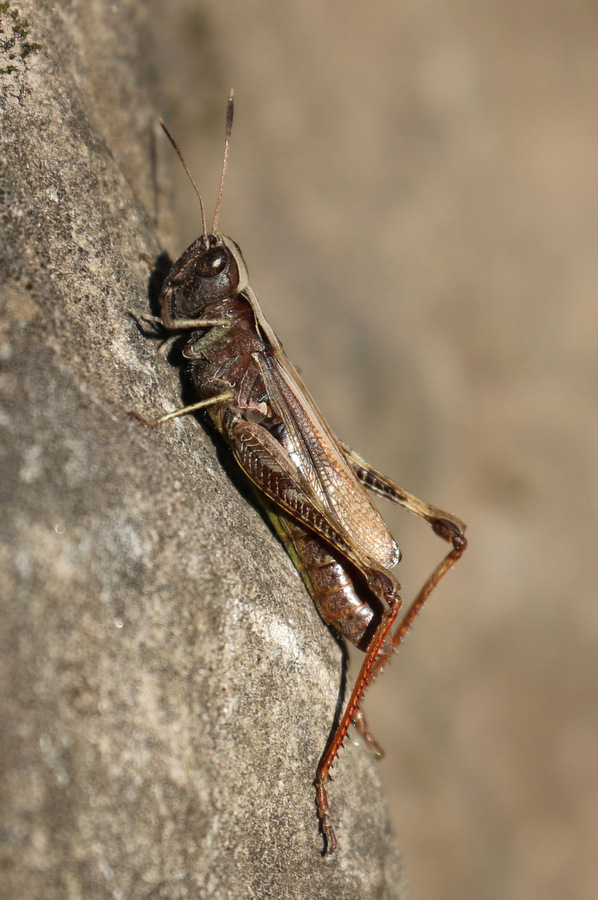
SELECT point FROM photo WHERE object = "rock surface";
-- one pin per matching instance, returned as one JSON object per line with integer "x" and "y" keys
{"x": 167, "y": 685}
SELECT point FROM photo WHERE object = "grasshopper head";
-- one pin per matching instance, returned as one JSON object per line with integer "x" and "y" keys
{"x": 210, "y": 270}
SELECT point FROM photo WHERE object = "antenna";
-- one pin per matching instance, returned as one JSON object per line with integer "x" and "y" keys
{"x": 230, "y": 108}
{"x": 189, "y": 176}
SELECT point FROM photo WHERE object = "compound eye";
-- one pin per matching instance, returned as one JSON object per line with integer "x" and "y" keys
{"x": 212, "y": 262}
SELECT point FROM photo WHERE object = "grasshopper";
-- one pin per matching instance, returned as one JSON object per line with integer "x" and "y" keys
{"x": 312, "y": 486}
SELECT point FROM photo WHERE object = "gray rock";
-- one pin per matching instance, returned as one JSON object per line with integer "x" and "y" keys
{"x": 167, "y": 686}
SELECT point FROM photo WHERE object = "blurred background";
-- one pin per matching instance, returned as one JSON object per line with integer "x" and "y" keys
{"x": 414, "y": 186}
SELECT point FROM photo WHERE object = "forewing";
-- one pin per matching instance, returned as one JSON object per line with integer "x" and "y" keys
{"x": 315, "y": 451}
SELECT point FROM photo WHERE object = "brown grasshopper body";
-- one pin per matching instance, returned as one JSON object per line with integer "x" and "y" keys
{"x": 311, "y": 485}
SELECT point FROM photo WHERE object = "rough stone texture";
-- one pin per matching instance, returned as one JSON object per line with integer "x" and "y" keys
{"x": 167, "y": 685}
